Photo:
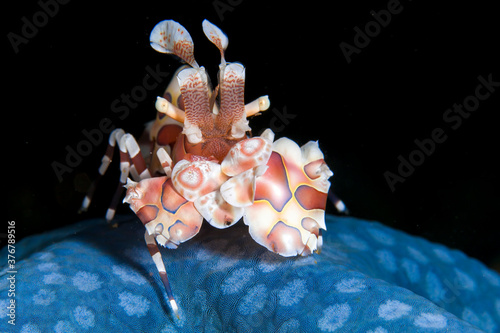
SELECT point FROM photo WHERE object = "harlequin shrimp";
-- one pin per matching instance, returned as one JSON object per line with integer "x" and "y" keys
{"x": 205, "y": 165}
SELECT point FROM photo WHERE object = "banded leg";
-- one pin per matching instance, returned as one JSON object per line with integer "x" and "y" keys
{"x": 114, "y": 137}
{"x": 158, "y": 260}
{"x": 337, "y": 202}
{"x": 131, "y": 163}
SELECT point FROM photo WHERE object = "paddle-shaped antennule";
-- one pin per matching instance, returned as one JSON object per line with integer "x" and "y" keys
{"x": 232, "y": 105}
{"x": 193, "y": 83}
{"x": 169, "y": 36}
{"x": 216, "y": 36}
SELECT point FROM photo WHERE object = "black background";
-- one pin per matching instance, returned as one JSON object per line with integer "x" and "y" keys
{"x": 364, "y": 113}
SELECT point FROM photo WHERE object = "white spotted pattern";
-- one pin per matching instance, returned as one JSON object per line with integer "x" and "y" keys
{"x": 411, "y": 269}
{"x": 431, "y": 320}
{"x": 392, "y": 309}
{"x": 254, "y": 300}
{"x": 30, "y": 328}
{"x": 237, "y": 280}
{"x": 54, "y": 278}
{"x": 64, "y": 326}
{"x": 134, "y": 305}
{"x": 387, "y": 260}
{"x": 334, "y": 317}
{"x": 86, "y": 281}
{"x": 44, "y": 297}
{"x": 84, "y": 316}
{"x": 293, "y": 292}
{"x": 352, "y": 285}
{"x": 127, "y": 275}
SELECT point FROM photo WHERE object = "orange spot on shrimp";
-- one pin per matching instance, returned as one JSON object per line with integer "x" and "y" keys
{"x": 273, "y": 185}
{"x": 285, "y": 239}
{"x": 310, "y": 198}
{"x": 170, "y": 199}
{"x": 147, "y": 213}
{"x": 168, "y": 134}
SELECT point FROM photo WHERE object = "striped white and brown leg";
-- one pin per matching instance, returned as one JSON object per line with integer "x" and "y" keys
{"x": 114, "y": 137}
{"x": 131, "y": 163}
{"x": 158, "y": 260}
{"x": 337, "y": 202}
